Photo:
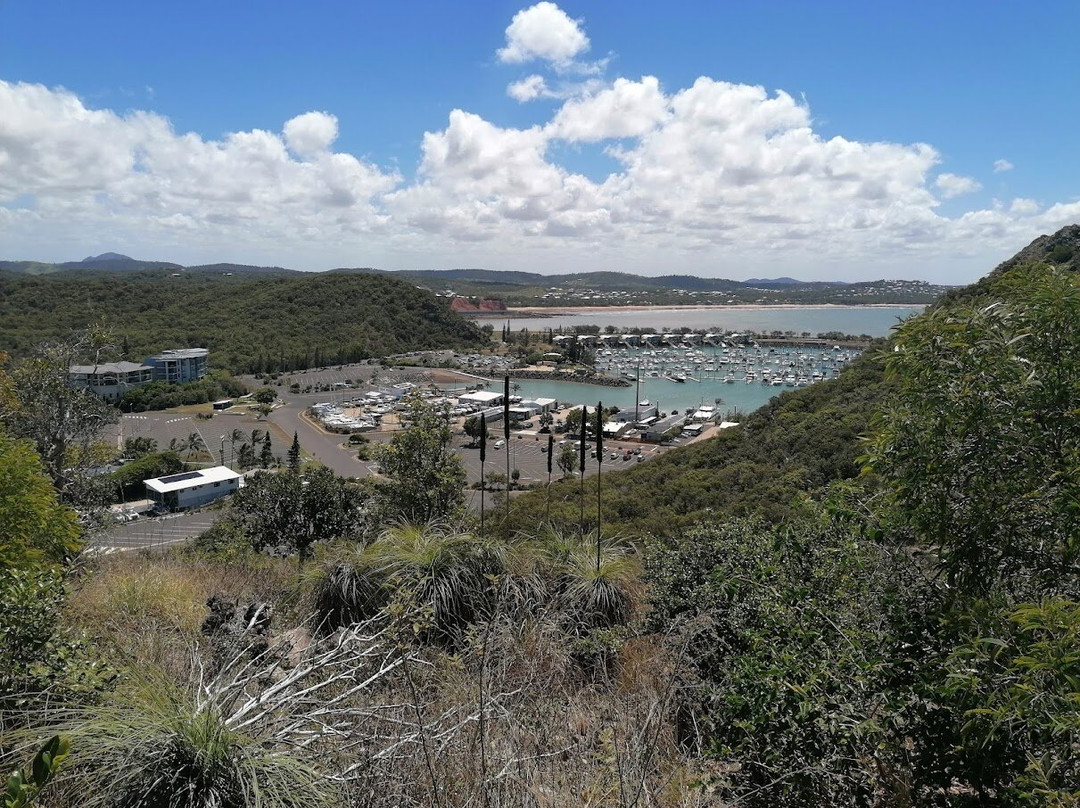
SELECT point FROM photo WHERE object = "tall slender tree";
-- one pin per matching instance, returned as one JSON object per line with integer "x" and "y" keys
{"x": 294, "y": 454}
{"x": 266, "y": 457}
{"x": 581, "y": 465}
{"x": 599, "y": 463}
{"x": 550, "y": 461}
{"x": 483, "y": 459}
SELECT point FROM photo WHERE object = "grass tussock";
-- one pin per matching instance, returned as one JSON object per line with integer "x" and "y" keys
{"x": 146, "y": 608}
{"x": 500, "y": 674}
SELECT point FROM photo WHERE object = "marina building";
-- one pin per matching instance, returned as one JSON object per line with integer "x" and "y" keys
{"x": 180, "y": 365}
{"x": 192, "y": 489}
{"x": 110, "y": 380}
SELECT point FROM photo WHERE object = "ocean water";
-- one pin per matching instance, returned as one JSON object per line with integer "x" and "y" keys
{"x": 875, "y": 321}
{"x": 738, "y": 398}
{"x": 701, "y": 386}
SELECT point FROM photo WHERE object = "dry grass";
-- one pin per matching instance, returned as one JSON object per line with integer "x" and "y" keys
{"x": 510, "y": 718}
{"x": 148, "y": 608}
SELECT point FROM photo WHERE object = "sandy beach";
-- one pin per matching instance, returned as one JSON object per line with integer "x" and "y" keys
{"x": 567, "y": 310}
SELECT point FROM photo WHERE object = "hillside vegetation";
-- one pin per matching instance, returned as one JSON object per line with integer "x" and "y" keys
{"x": 250, "y": 324}
{"x": 866, "y": 595}
{"x": 793, "y": 447}
{"x": 536, "y": 289}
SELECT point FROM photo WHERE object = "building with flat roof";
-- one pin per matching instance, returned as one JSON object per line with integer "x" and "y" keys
{"x": 110, "y": 380}
{"x": 190, "y": 489}
{"x": 180, "y": 365}
{"x": 482, "y": 398}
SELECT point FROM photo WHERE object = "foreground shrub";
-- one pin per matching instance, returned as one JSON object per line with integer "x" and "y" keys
{"x": 254, "y": 734}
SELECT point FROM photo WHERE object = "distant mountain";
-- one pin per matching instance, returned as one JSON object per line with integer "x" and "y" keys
{"x": 773, "y": 282}
{"x": 533, "y": 288}
{"x": 108, "y": 256}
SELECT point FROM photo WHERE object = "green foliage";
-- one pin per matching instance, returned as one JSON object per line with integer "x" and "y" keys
{"x": 568, "y": 460}
{"x": 139, "y": 446}
{"x": 290, "y": 513}
{"x": 250, "y": 324}
{"x": 23, "y": 787}
{"x": 1016, "y": 675}
{"x": 128, "y": 479}
{"x": 34, "y": 527}
{"x": 438, "y": 578}
{"x": 981, "y": 441}
{"x": 794, "y": 446}
{"x": 590, "y": 595}
{"x": 63, "y": 422}
{"x": 160, "y": 743}
{"x": 265, "y": 395}
{"x": 790, "y": 634}
{"x": 472, "y": 428}
{"x": 427, "y": 479}
{"x": 165, "y": 395}
{"x": 294, "y": 454}
{"x": 39, "y": 661}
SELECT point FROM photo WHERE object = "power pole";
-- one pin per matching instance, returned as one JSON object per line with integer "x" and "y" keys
{"x": 483, "y": 457}
{"x": 506, "y": 434}
{"x": 599, "y": 463}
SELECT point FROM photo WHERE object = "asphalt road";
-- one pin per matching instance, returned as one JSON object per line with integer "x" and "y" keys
{"x": 325, "y": 446}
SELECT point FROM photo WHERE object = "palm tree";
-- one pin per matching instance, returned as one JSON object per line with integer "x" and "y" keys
{"x": 235, "y": 437}
{"x": 194, "y": 445}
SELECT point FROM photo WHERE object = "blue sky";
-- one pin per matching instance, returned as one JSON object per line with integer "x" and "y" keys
{"x": 819, "y": 140}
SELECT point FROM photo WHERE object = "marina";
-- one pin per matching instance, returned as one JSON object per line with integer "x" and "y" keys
{"x": 736, "y": 380}
{"x": 873, "y": 321}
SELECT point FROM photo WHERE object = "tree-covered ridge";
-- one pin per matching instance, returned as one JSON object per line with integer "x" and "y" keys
{"x": 794, "y": 446}
{"x": 802, "y": 440}
{"x": 906, "y": 634}
{"x": 249, "y": 324}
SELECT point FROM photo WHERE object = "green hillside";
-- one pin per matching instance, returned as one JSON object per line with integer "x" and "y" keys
{"x": 791, "y": 448}
{"x": 249, "y": 323}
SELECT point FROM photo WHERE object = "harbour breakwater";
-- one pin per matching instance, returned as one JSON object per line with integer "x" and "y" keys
{"x": 580, "y": 377}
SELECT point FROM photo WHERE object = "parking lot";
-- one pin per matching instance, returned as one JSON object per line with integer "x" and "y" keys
{"x": 151, "y": 533}
{"x": 171, "y": 425}
{"x": 528, "y": 455}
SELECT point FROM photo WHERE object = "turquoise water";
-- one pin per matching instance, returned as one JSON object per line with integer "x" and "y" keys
{"x": 738, "y": 397}
{"x": 875, "y": 321}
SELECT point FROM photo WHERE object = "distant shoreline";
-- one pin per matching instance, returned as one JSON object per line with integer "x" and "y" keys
{"x": 559, "y": 311}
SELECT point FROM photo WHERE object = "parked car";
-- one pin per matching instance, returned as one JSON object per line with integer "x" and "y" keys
{"x": 500, "y": 443}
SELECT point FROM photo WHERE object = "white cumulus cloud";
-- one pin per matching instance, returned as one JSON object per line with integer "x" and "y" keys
{"x": 952, "y": 185}
{"x": 714, "y": 178}
{"x": 1002, "y": 165}
{"x": 625, "y": 109}
{"x": 543, "y": 31}
{"x": 528, "y": 89}
{"x": 311, "y": 133}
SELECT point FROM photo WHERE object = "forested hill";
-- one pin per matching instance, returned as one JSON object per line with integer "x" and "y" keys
{"x": 797, "y": 444}
{"x": 535, "y": 289}
{"x": 249, "y": 323}
{"x": 1060, "y": 249}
